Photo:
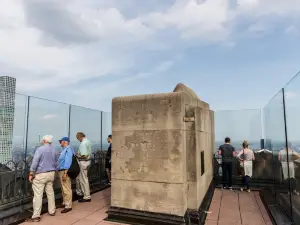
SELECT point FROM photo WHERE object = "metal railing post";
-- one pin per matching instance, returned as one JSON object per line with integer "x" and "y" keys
{"x": 69, "y": 121}
{"x": 26, "y": 150}
{"x": 287, "y": 148}
{"x": 101, "y": 150}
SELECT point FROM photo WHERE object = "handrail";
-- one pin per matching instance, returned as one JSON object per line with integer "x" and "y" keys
{"x": 12, "y": 188}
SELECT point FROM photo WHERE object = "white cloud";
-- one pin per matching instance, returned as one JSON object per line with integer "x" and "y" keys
{"x": 112, "y": 89}
{"x": 292, "y": 30}
{"x": 290, "y": 94}
{"x": 49, "y": 116}
{"x": 204, "y": 19}
{"x": 264, "y": 8}
{"x": 52, "y": 45}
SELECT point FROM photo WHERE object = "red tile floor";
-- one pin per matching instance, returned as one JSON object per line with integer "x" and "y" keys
{"x": 237, "y": 208}
{"x": 83, "y": 213}
{"x": 227, "y": 208}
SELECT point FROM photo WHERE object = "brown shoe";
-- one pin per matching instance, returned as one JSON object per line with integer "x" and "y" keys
{"x": 66, "y": 210}
{"x": 33, "y": 220}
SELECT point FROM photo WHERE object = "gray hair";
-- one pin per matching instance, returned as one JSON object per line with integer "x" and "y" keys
{"x": 48, "y": 139}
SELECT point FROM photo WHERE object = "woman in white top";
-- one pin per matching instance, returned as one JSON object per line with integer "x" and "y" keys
{"x": 246, "y": 156}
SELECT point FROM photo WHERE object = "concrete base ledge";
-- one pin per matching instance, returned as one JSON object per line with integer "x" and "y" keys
{"x": 137, "y": 217}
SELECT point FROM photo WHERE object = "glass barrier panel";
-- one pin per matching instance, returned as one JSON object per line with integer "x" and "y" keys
{"x": 106, "y": 128}
{"x": 46, "y": 118}
{"x": 292, "y": 107}
{"x": 277, "y": 165}
{"x": 12, "y": 149}
{"x": 239, "y": 125}
{"x": 88, "y": 121}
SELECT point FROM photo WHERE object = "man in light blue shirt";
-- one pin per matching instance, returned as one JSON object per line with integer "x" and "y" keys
{"x": 64, "y": 163}
{"x": 42, "y": 175}
{"x": 84, "y": 156}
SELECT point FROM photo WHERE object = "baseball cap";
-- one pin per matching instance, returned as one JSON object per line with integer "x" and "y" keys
{"x": 65, "y": 139}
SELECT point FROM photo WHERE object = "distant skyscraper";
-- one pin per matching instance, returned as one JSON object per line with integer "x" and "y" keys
{"x": 7, "y": 109}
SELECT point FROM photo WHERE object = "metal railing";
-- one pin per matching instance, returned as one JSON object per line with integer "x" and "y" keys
{"x": 15, "y": 188}
{"x": 277, "y": 125}
{"x": 23, "y": 123}
{"x": 266, "y": 170}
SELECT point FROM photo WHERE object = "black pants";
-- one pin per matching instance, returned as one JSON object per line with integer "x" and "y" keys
{"x": 246, "y": 181}
{"x": 227, "y": 173}
{"x": 108, "y": 164}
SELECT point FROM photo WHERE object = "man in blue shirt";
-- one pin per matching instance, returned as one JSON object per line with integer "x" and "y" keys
{"x": 42, "y": 175}
{"x": 64, "y": 163}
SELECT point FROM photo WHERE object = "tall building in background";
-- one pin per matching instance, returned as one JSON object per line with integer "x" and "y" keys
{"x": 7, "y": 109}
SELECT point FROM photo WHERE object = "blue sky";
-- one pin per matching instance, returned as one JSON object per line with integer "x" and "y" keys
{"x": 234, "y": 54}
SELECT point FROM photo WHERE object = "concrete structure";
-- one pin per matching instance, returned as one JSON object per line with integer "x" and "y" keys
{"x": 7, "y": 108}
{"x": 162, "y": 153}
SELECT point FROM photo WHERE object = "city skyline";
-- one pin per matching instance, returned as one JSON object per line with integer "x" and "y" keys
{"x": 50, "y": 117}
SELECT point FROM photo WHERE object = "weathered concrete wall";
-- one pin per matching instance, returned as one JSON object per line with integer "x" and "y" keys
{"x": 158, "y": 140}
{"x": 199, "y": 136}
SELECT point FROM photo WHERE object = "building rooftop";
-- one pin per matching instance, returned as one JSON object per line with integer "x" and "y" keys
{"x": 90, "y": 213}
{"x": 227, "y": 208}
{"x": 235, "y": 207}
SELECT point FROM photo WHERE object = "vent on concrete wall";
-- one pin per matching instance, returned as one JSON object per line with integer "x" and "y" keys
{"x": 202, "y": 163}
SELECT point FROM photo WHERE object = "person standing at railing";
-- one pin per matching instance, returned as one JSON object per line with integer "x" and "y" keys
{"x": 42, "y": 175}
{"x": 84, "y": 156}
{"x": 227, "y": 152}
{"x": 108, "y": 159}
{"x": 246, "y": 157}
{"x": 64, "y": 164}
{"x": 287, "y": 157}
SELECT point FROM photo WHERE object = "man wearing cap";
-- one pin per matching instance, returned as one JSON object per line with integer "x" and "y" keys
{"x": 64, "y": 163}
{"x": 42, "y": 175}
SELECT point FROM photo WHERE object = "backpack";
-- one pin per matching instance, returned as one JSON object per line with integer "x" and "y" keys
{"x": 74, "y": 169}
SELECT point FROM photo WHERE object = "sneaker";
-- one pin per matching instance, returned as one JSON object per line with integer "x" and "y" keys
{"x": 242, "y": 189}
{"x": 248, "y": 190}
{"x": 230, "y": 188}
{"x": 296, "y": 192}
{"x": 224, "y": 187}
